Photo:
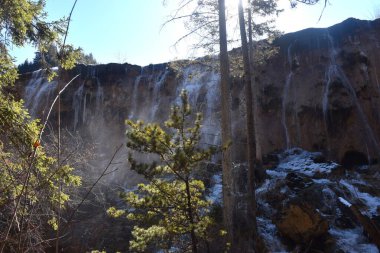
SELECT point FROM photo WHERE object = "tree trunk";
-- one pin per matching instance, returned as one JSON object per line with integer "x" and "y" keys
{"x": 194, "y": 242}
{"x": 256, "y": 118}
{"x": 259, "y": 172}
{"x": 225, "y": 122}
{"x": 58, "y": 165}
{"x": 251, "y": 200}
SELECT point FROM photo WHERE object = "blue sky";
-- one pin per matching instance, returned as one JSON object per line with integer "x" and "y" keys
{"x": 130, "y": 30}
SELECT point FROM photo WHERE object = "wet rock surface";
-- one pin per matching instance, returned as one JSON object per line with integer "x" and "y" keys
{"x": 319, "y": 92}
{"x": 301, "y": 223}
{"x": 308, "y": 206}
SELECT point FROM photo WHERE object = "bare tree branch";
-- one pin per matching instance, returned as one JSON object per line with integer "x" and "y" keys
{"x": 68, "y": 25}
{"x": 92, "y": 186}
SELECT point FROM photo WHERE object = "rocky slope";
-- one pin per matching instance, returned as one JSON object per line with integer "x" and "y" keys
{"x": 310, "y": 204}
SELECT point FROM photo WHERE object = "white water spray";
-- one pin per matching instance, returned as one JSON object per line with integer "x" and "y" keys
{"x": 39, "y": 93}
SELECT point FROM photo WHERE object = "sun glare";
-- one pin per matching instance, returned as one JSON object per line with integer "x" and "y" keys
{"x": 232, "y": 4}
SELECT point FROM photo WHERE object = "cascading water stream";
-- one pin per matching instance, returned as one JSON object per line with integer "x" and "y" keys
{"x": 191, "y": 82}
{"x": 284, "y": 101}
{"x": 99, "y": 98}
{"x": 79, "y": 106}
{"x": 212, "y": 131}
{"x": 285, "y": 95}
{"x": 203, "y": 85}
{"x": 136, "y": 83}
{"x": 296, "y": 119}
{"x": 334, "y": 70}
{"x": 156, "y": 96}
{"x": 39, "y": 93}
{"x": 325, "y": 98}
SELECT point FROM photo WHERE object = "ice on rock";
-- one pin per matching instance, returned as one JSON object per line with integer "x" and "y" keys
{"x": 215, "y": 195}
{"x": 268, "y": 231}
{"x": 322, "y": 181}
{"x": 306, "y": 163}
{"x": 352, "y": 240}
{"x": 276, "y": 174}
{"x": 301, "y": 161}
{"x": 344, "y": 202}
{"x": 372, "y": 203}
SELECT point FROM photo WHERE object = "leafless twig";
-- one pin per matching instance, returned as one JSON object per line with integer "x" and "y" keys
{"x": 30, "y": 165}
{"x": 52, "y": 105}
{"x": 104, "y": 173}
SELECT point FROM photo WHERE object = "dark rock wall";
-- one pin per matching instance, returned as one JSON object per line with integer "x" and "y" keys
{"x": 326, "y": 81}
{"x": 320, "y": 92}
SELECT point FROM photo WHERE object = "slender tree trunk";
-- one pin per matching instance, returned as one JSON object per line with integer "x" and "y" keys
{"x": 251, "y": 212}
{"x": 58, "y": 167}
{"x": 225, "y": 122}
{"x": 194, "y": 241}
{"x": 256, "y": 117}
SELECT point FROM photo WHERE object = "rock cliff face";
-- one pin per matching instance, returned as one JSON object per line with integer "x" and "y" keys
{"x": 321, "y": 91}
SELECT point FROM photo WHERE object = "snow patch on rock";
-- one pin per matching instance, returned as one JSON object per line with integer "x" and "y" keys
{"x": 215, "y": 195}
{"x": 352, "y": 240}
{"x": 268, "y": 231}
{"x": 344, "y": 202}
{"x": 301, "y": 161}
{"x": 372, "y": 203}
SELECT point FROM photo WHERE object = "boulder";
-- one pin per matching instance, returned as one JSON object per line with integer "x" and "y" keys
{"x": 301, "y": 224}
{"x": 297, "y": 182}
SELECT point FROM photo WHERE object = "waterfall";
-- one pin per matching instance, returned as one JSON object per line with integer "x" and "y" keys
{"x": 87, "y": 103}
{"x": 134, "y": 101}
{"x": 204, "y": 96}
{"x": 211, "y": 122}
{"x": 99, "y": 98}
{"x": 335, "y": 71}
{"x": 191, "y": 82}
{"x": 325, "y": 98}
{"x": 285, "y": 95}
{"x": 79, "y": 106}
{"x": 284, "y": 101}
{"x": 156, "y": 96}
{"x": 79, "y": 103}
{"x": 39, "y": 94}
{"x": 294, "y": 103}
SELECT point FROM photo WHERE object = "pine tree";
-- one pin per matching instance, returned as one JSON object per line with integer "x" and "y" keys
{"x": 28, "y": 182}
{"x": 29, "y": 195}
{"x": 171, "y": 209}
{"x": 226, "y": 122}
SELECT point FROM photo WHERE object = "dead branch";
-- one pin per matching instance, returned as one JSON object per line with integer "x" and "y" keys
{"x": 93, "y": 185}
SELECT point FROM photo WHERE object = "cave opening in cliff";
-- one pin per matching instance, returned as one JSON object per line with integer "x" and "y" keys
{"x": 353, "y": 158}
